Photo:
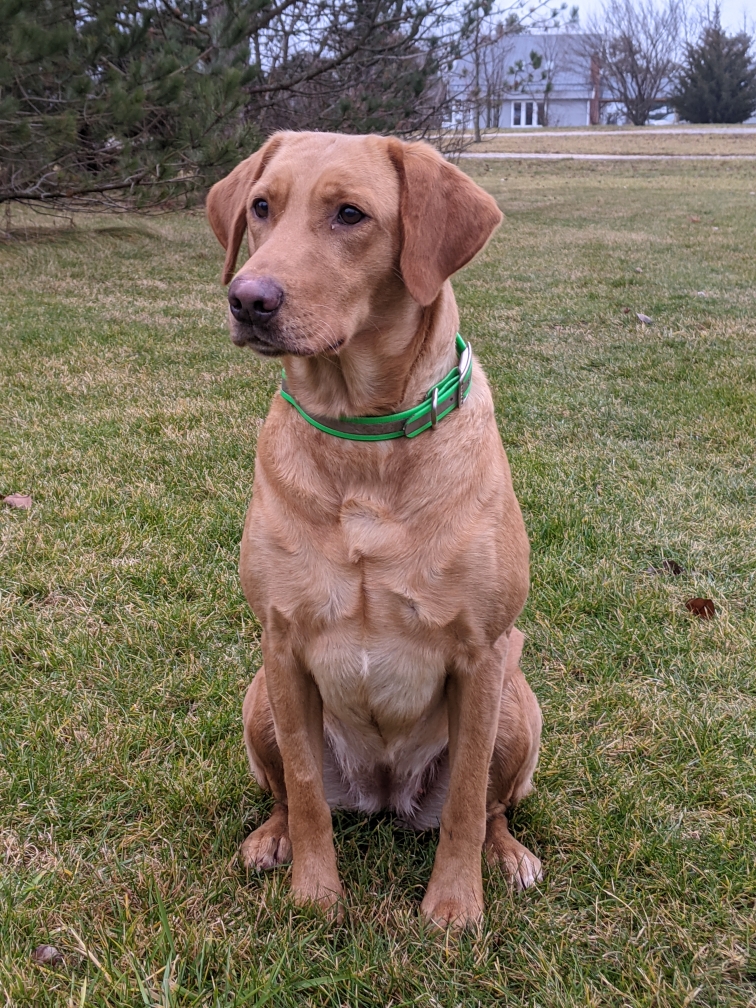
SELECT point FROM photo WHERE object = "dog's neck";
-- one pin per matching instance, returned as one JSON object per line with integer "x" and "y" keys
{"x": 383, "y": 369}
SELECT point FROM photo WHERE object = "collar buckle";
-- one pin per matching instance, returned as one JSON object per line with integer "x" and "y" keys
{"x": 434, "y": 408}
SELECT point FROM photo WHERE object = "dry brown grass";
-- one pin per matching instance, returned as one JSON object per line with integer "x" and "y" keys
{"x": 635, "y": 141}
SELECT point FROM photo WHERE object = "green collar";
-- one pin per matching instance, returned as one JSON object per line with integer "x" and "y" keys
{"x": 451, "y": 392}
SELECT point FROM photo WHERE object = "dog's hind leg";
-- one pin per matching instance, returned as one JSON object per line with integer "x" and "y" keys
{"x": 269, "y": 845}
{"x": 514, "y": 760}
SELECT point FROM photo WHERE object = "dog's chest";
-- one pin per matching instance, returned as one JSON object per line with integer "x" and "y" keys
{"x": 377, "y": 655}
{"x": 369, "y": 529}
{"x": 382, "y": 684}
{"x": 371, "y": 567}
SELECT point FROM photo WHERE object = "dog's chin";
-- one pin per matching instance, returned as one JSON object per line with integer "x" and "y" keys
{"x": 270, "y": 344}
{"x": 263, "y": 343}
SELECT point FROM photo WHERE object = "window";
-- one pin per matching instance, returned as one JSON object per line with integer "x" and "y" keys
{"x": 527, "y": 113}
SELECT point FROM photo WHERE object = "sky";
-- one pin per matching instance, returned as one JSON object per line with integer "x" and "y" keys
{"x": 732, "y": 12}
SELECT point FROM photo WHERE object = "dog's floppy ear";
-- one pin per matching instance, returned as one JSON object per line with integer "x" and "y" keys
{"x": 445, "y": 217}
{"x": 226, "y": 203}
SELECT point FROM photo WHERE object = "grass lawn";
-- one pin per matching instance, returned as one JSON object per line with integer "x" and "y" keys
{"x": 643, "y": 140}
{"x": 127, "y": 644}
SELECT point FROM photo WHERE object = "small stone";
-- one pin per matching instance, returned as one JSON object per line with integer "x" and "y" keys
{"x": 47, "y": 955}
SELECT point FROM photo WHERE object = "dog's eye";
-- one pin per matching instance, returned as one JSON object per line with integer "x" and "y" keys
{"x": 260, "y": 206}
{"x": 350, "y": 215}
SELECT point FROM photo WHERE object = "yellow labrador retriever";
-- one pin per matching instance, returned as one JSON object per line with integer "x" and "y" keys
{"x": 384, "y": 552}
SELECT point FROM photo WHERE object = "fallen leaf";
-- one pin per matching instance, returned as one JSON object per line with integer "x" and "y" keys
{"x": 704, "y": 608}
{"x": 626, "y": 311}
{"x": 18, "y": 500}
{"x": 695, "y": 220}
{"x": 643, "y": 318}
{"x": 47, "y": 955}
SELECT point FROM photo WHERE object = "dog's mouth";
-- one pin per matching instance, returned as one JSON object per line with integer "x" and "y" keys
{"x": 251, "y": 336}
{"x": 269, "y": 344}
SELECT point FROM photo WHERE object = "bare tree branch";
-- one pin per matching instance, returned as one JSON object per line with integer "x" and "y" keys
{"x": 637, "y": 45}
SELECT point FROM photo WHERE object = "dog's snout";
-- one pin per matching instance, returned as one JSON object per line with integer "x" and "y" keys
{"x": 255, "y": 299}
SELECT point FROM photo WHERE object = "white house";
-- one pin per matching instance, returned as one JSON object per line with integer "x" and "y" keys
{"x": 530, "y": 80}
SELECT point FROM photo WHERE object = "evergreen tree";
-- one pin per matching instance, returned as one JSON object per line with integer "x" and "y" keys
{"x": 717, "y": 82}
{"x": 120, "y": 104}
{"x": 129, "y": 104}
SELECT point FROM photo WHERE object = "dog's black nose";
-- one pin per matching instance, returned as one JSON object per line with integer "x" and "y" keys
{"x": 255, "y": 300}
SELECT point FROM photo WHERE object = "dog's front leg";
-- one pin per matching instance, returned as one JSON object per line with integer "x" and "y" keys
{"x": 455, "y": 891}
{"x": 298, "y": 717}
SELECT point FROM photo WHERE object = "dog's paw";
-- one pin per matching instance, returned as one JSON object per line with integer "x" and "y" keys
{"x": 459, "y": 911}
{"x": 266, "y": 848}
{"x": 327, "y": 896}
{"x": 522, "y": 868}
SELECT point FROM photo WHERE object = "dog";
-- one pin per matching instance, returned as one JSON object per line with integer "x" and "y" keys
{"x": 388, "y": 573}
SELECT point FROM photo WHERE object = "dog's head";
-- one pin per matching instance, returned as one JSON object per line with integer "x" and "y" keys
{"x": 343, "y": 231}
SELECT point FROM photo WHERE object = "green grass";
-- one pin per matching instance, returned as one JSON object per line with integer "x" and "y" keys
{"x": 127, "y": 644}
